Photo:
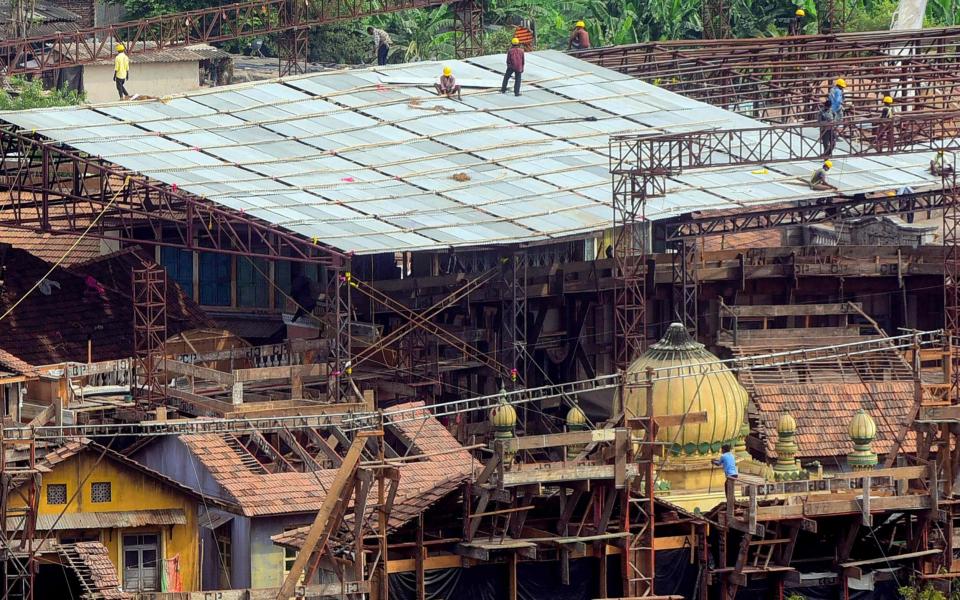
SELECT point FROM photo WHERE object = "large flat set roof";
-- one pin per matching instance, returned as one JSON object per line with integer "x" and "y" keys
{"x": 371, "y": 160}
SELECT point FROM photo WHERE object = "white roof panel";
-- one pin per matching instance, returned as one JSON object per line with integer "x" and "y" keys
{"x": 371, "y": 160}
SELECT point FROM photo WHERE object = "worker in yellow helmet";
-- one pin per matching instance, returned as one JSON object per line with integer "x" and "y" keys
{"x": 885, "y": 133}
{"x": 836, "y": 98}
{"x": 819, "y": 181}
{"x": 514, "y": 67}
{"x": 447, "y": 86}
{"x": 121, "y": 71}
{"x": 579, "y": 38}
{"x": 797, "y": 22}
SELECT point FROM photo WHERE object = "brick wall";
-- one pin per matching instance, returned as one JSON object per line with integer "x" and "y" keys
{"x": 85, "y": 9}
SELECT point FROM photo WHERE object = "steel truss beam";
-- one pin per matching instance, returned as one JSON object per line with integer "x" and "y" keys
{"x": 833, "y": 209}
{"x": 640, "y": 165}
{"x": 215, "y": 24}
{"x": 783, "y": 79}
{"x": 669, "y": 154}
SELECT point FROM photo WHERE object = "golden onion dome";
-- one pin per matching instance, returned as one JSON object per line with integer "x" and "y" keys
{"x": 787, "y": 425}
{"x": 862, "y": 428}
{"x": 689, "y": 379}
{"x": 576, "y": 417}
{"x": 503, "y": 416}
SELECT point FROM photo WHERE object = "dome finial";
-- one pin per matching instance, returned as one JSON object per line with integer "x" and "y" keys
{"x": 576, "y": 421}
{"x": 862, "y": 431}
{"x": 787, "y": 468}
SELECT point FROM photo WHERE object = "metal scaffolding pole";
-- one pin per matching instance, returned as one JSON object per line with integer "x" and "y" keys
{"x": 686, "y": 283}
{"x": 149, "y": 333}
{"x": 20, "y": 489}
{"x": 468, "y": 28}
{"x": 515, "y": 317}
{"x": 292, "y": 48}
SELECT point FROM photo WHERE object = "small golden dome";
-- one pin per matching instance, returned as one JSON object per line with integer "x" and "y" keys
{"x": 576, "y": 416}
{"x": 787, "y": 424}
{"x": 862, "y": 428}
{"x": 503, "y": 416}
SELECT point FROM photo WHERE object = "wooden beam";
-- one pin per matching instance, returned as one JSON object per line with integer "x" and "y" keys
{"x": 564, "y": 473}
{"x": 550, "y": 440}
{"x": 430, "y": 563}
{"x": 189, "y": 370}
{"x": 267, "y": 448}
{"x": 790, "y": 310}
{"x": 842, "y": 507}
{"x": 320, "y": 529}
{"x": 309, "y": 464}
{"x": 281, "y": 373}
{"x": 325, "y": 448}
{"x": 690, "y": 418}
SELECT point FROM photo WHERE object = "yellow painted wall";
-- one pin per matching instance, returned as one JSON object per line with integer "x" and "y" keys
{"x": 131, "y": 490}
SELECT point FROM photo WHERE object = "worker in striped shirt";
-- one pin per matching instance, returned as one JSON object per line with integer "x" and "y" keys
{"x": 381, "y": 44}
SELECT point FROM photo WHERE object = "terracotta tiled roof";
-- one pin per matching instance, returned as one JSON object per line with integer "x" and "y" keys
{"x": 101, "y": 574}
{"x": 9, "y": 362}
{"x": 823, "y": 413}
{"x": 260, "y": 493}
{"x": 51, "y": 248}
{"x": 53, "y": 327}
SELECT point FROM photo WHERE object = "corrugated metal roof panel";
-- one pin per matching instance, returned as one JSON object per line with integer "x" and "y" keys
{"x": 111, "y": 520}
{"x": 372, "y": 160}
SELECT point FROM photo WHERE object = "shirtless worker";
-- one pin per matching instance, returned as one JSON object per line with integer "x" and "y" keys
{"x": 579, "y": 38}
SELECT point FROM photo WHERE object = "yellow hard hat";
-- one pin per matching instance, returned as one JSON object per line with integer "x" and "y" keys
{"x": 515, "y": 41}
{"x": 887, "y": 100}
{"x": 447, "y": 71}
{"x": 828, "y": 164}
{"x": 120, "y": 48}
{"x": 841, "y": 83}
{"x": 800, "y": 12}
{"x": 581, "y": 24}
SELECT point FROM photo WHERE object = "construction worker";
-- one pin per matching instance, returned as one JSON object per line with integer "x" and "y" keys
{"x": 447, "y": 86}
{"x": 579, "y": 39}
{"x": 796, "y": 23}
{"x": 381, "y": 44}
{"x": 121, "y": 71}
{"x": 828, "y": 137}
{"x": 819, "y": 181}
{"x": 938, "y": 165}
{"x": 836, "y": 98}
{"x": 885, "y": 136}
{"x": 514, "y": 67}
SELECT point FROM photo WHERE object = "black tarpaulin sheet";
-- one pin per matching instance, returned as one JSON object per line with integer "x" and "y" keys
{"x": 541, "y": 580}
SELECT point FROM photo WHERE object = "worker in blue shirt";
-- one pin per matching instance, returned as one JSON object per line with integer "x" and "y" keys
{"x": 728, "y": 461}
{"x": 836, "y": 98}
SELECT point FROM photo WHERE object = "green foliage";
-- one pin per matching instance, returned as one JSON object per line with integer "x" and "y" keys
{"x": 871, "y": 15}
{"x": 942, "y": 13}
{"x": 340, "y": 45}
{"x": 796, "y": 596}
{"x": 927, "y": 592}
{"x": 30, "y": 94}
